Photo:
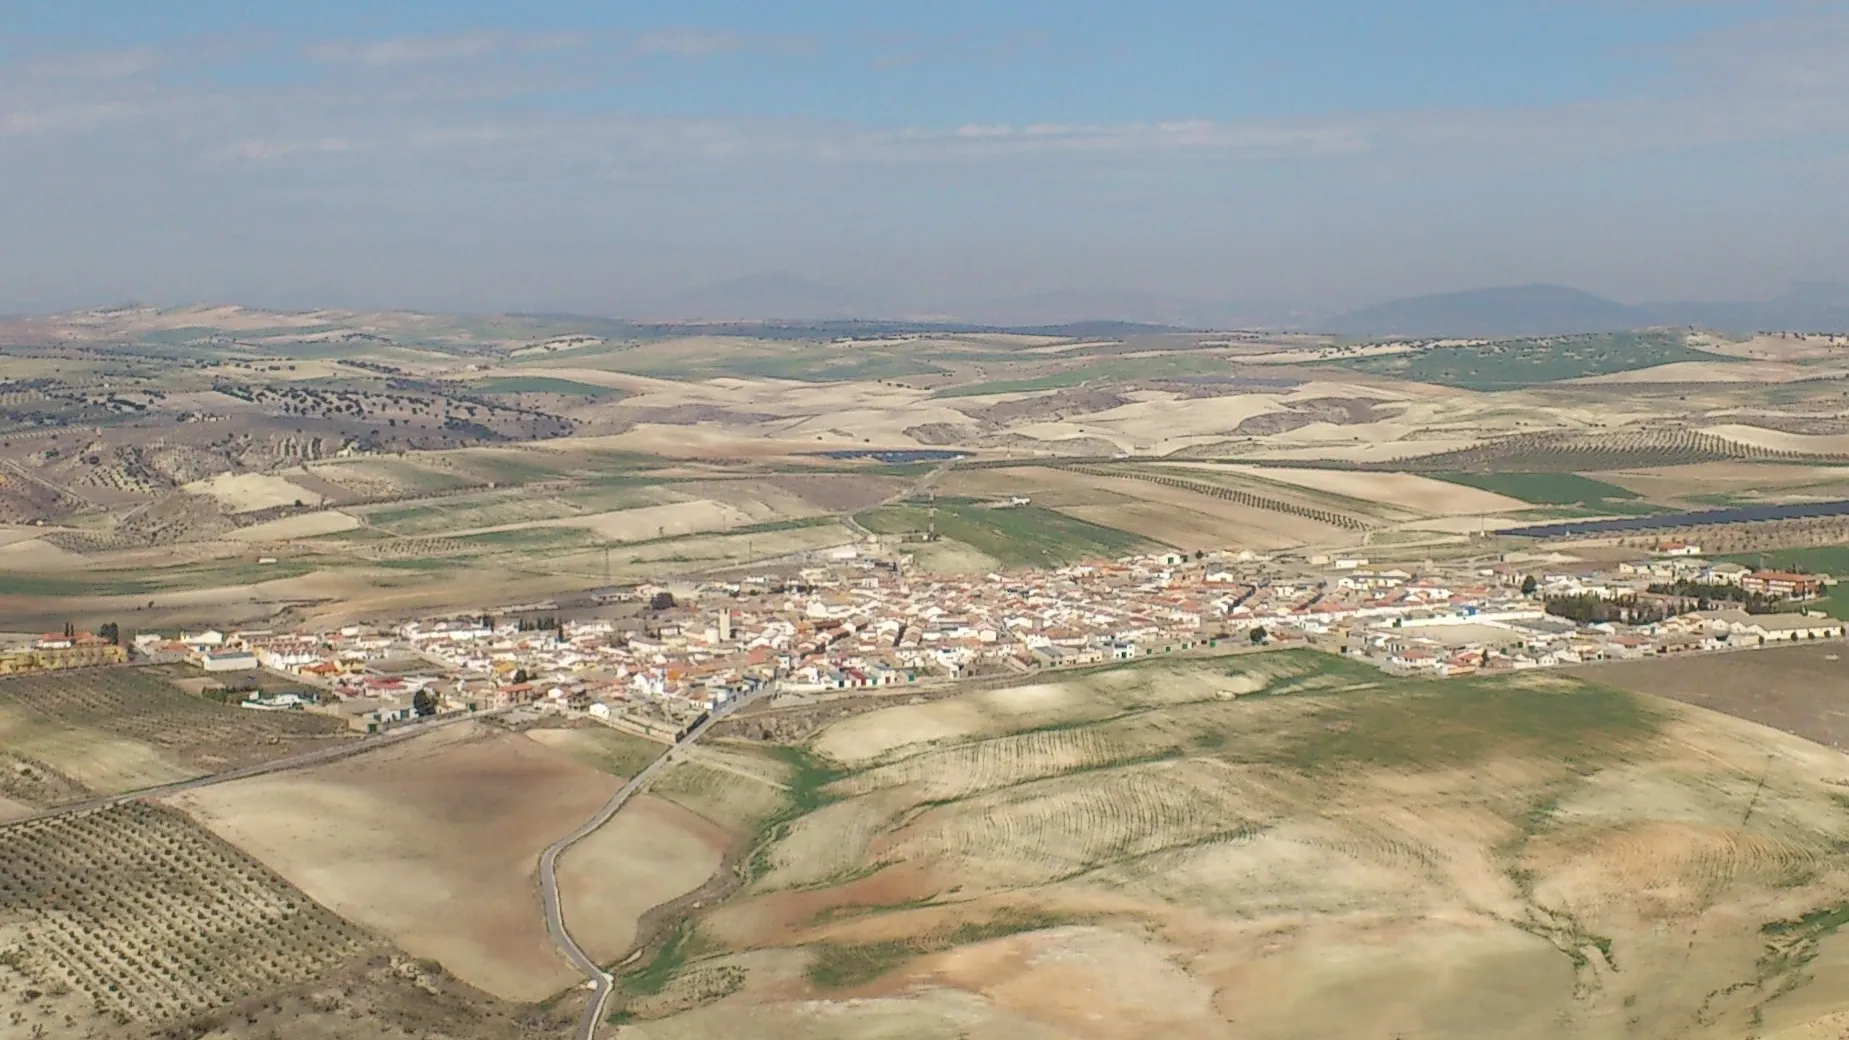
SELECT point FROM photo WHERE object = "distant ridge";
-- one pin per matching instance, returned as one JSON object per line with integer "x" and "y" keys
{"x": 765, "y": 297}
{"x": 1520, "y": 310}
{"x": 1806, "y": 307}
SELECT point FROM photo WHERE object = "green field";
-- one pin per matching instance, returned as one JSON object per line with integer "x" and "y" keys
{"x": 1025, "y": 536}
{"x": 1543, "y": 489}
{"x": 1511, "y": 364}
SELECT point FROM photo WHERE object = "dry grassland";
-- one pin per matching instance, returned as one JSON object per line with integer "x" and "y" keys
{"x": 736, "y": 791}
{"x": 432, "y": 843}
{"x": 613, "y": 751}
{"x": 1283, "y": 846}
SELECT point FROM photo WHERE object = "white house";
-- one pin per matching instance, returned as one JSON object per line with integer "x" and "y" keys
{"x": 1770, "y": 628}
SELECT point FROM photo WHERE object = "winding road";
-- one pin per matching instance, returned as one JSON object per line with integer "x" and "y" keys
{"x": 602, "y": 981}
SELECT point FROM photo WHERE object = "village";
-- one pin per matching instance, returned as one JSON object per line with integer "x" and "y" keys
{"x": 652, "y": 659}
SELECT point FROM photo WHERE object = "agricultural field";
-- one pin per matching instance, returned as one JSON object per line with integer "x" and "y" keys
{"x": 1241, "y": 846}
{"x": 1546, "y": 489}
{"x": 386, "y": 461}
{"x": 135, "y": 917}
{"x": 610, "y": 750}
{"x": 1796, "y": 689}
{"x": 1626, "y": 449}
{"x": 1030, "y": 536}
{"x": 108, "y": 730}
{"x": 395, "y": 840}
{"x": 1513, "y": 364}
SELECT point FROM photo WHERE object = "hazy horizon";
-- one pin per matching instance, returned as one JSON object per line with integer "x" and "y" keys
{"x": 558, "y": 156}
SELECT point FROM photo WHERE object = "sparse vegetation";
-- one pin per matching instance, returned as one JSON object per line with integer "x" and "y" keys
{"x": 1516, "y": 363}
{"x": 155, "y": 921}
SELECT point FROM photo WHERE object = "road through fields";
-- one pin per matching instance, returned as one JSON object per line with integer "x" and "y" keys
{"x": 602, "y": 982}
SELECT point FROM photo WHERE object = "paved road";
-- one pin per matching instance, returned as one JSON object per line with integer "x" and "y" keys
{"x": 602, "y": 981}
{"x": 343, "y": 749}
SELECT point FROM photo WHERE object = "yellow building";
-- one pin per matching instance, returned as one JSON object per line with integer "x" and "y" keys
{"x": 79, "y": 654}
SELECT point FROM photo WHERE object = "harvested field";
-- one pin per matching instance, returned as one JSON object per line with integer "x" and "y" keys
{"x": 652, "y": 852}
{"x": 1422, "y": 495}
{"x": 136, "y": 915}
{"x": 1242, "y": 847}
{"x": 396, "y": 840}
{"x": 1801, "y": 690}
{"x": 249, "y": 492}
{"x": 309, "y": 526}
{"x": 638, "y": 525}
{"x": 1781, "y": 443}
{"x": 120, "y": 729}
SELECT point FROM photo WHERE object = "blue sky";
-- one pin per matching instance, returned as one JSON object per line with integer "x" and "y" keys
{"x": 931, "y": 157}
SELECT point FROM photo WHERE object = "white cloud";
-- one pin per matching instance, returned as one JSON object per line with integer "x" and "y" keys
{"x": 94, "y": 65}
{"x": 263, "y": 149}
{"x": 688, "y": 43}
{"x": 417, "y": 50}
{"x": 1777, "y": 79}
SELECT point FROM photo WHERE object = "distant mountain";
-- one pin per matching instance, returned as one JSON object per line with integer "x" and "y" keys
{"x": 1522, "y": 310}
{"x": 1807, "y": 307}
{"x": 1066, "y": 307}
{"x": 764, "y": 297}
{"x": 1070, "y": 306}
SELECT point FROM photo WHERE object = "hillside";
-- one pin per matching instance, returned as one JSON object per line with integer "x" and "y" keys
{"x": 1525, "y": 310}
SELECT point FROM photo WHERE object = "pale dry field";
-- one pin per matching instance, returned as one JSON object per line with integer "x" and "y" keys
{"x": 433, "y": 844}
{"x": 652, "y": 852}
{"x": 1706, "y": 372}
{"x": 36, "y": 554}
{"x": 1156, "y": 852}
{"x": 1774, "y": 440}
{"x": 308, "y": 526}
{"x": 248, "y": 492}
